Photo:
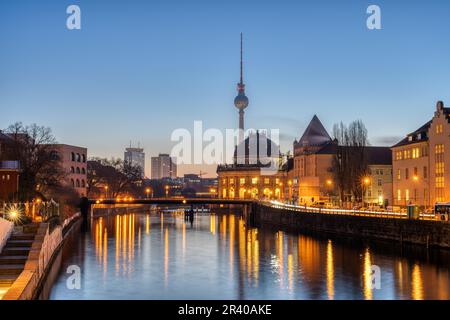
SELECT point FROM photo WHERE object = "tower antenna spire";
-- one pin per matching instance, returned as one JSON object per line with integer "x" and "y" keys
{"x": 242, "y": 75}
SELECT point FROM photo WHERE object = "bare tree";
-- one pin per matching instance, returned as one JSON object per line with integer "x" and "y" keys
{"x": 41, "y": 168}
{"x": 120, "y": 176}
{"x": 350, "y": 163}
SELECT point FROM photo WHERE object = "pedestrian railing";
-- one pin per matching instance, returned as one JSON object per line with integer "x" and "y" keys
{"x": 348, "y": 212}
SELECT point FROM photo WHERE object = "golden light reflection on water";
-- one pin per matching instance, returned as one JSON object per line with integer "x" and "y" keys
{"x": 212, "y": 224}
{"x": 147, "y": 224}
{"x": 417, "y": 283}
{"x": 290, "y": 272}
{"x": 166, "y": 256}
{"x": 367, "y": 276}
{"x": 330, "y": 271}
{"x": 280, "y": 256}
{"x": 183, "y": 244}
{"x": 118, "y": 233}
{"x": 294, "y": 262}
{"x": 232, "y": 235}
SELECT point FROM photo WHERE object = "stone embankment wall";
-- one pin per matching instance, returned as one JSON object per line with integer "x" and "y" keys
{"x": 422, "y": 232}
{"x": 46, "y": 245}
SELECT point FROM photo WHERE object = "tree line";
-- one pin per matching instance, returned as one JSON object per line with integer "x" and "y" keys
{"x": 43, "y": 176}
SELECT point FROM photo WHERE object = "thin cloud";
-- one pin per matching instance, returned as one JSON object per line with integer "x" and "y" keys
{"x": 386, "y": 140}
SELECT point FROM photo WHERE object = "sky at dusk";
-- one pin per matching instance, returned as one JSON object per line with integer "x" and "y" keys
{"x": 137, "y": 70}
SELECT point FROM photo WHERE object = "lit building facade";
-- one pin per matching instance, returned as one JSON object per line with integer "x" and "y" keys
{"x": 420, "y": 166}
{"x": 163, "y": 166}
{"x": 378, "y": 190}
{"x": 312, "y": 178}
{"x": 9, "y": 170}
{"x": 74, "y": 162}
{"x": 247, "y": 182}
{"x": 9, "y": 180}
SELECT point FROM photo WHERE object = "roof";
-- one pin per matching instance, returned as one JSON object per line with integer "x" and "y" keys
{"x": 378, "y": 155}
{"x": 315, "y": 134}
{"x": 419, "y": 135}
{"x": 252, "y": 145}
{"x": 5, "y": 138}
{"x": 329, "y": 148}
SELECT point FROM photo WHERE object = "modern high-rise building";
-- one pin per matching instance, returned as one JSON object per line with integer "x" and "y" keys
{"x": 136, "y": 157}
{"x": 163, "y": 166}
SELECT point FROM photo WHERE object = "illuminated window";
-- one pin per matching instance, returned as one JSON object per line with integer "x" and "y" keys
{"x": 399, "y": 174}
{"x": 407, "y": 154}
{"x": 254, "y": 180}
{"x": 415, "y": 153}
{"x": 439, "y": 172}
{"x": 439, "y": 128}
{"x": 266, "y": 180}
{"x": 231, "y": 193}
{"x": 440, "y": 182}
{"x": 398, "y": 155}
{"x": 399, "y": 195}
{"x": 231, "y": 180}
{"x": 277, "y": 181}
{"x": 407, "y": 194}
{"x": 242, "y": 181}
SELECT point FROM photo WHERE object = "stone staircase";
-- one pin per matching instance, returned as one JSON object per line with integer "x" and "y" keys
{"x": 14, "y": 256}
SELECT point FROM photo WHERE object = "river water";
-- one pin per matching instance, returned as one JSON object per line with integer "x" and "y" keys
{"x": 162, "y": 256}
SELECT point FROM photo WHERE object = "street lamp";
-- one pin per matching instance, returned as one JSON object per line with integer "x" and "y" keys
{"x": 329, "y": 185}
{"x": 147, "y": 191}
{"x": 366, "y": 182}
{"x": 106, "y": 192}
{"x": 167, "y": 190}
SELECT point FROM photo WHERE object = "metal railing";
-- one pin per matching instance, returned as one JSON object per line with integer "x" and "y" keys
{"x": 348, "y": 212}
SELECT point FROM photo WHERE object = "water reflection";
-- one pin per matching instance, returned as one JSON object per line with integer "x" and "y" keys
{"x": 218, "y": 256}
{"x": 330, "y": 271}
